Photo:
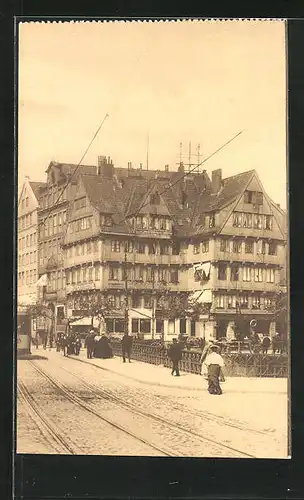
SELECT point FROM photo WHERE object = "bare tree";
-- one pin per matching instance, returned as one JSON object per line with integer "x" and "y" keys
{"x": 95, "y": 306}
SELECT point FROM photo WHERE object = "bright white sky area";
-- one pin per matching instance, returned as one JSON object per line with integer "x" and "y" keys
{"x": 201, "y": 81}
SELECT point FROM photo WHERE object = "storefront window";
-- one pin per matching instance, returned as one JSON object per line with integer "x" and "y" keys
{"x": 145, "y": 326}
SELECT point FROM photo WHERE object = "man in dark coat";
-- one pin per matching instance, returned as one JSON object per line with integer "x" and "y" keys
{"x": 77, "y": 346}
{"x": 126, "y": 347}
{"x": 175, "y": 354}
{"x": 89, "y": 344}
{"x": 265, "y": 344}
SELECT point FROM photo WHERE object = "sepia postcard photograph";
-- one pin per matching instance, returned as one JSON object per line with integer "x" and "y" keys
{"x": 152, "y": 243}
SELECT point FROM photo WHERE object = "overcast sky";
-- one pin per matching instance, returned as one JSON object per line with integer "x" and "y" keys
{"x": 182, "y": 81}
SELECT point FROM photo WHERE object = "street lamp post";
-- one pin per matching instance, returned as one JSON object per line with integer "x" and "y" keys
{"x": 126, "y": 294}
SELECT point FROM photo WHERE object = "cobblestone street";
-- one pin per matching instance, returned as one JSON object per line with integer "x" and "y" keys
{"x": 71, "y": 405}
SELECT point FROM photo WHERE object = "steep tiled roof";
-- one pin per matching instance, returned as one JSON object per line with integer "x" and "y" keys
{"x": 69, "y": 168}
{"x": 36, "y": 187}
{"x": 126, "y": 193}
{"x": 231, "y": 188}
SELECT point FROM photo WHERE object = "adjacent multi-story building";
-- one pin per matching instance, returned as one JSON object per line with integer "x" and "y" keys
{"x": 27, "y": 272}
{"x": 54, "y": 198}
{"x": 136, "y": 233}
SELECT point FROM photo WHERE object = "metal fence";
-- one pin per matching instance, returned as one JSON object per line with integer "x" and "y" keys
{"x": 236, "y": 364}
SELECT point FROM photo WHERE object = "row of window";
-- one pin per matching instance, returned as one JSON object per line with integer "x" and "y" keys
{"x": 243, "y": 301}
{"x": 81, "y": 224}
{"x": 27, "y": 277}
{"x": 48, "y": 248}
{"x": 144, "y": 274}
{"x": 52, "y": 196}
{"x": 25, "y": 202}
{"x": 245, "y": 273}
{"x": 84, "y": 274}
{"x": 27, "y": 241}
{"x": 52, "y": 224}
{"x": 27, "y": 258}
{"x": 56, "y": 281}
{"x": 25, "y": 221}
{"x": 151, "y": 222}
{"x": 82, "y": 249}
{"x": 254, "y": 221}
{"x": 238, "y": 246}
{"x": 153, "y": 248}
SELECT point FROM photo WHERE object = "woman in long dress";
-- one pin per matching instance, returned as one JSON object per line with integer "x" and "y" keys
{"x": 214, "y": 363}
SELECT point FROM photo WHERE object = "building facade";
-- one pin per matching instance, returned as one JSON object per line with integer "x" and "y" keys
{"x": 54, "y": 199}
{"x": 133, "y": 236}
{"x": 27, "y": 232}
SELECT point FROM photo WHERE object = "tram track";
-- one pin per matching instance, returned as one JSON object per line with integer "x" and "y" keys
{"x": 208, "y": 416}
{"x": 50, "y": 433}
{"x": 130, "y": 407}
{"x": 90, "y": 409}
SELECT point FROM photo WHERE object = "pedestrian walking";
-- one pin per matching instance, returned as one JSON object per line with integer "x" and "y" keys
{"x": 175, "y": 354}
{"x": 89, "y": 344}
{"x": 77, "y": 346}
{"x": 58, "y": 343}
{"x": 45, "y": 337}
{"x": 276, "y": 343}
{"x": 214, "y": 363}
{"x": 265, "y": 344}
{"x": 126, "y": 342}
{"x": 64, "y": 344}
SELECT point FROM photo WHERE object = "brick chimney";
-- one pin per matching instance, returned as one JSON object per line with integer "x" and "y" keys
{"x": 216, "y": 180}
{"x": 181, "y": 167}
{"x": 166, "y": 168}
{"x": 105, "y": 166}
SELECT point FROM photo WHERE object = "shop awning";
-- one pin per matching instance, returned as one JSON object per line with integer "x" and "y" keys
{"x": 81, "y": 322}
{"x": 201, "y": 297}
{"x": 42, "y": 280}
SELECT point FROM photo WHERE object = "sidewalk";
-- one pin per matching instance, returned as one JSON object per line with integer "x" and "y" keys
{"x": 158, "y": 375}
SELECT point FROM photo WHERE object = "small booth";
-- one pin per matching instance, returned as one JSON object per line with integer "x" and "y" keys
{"x": 23, "y": 333}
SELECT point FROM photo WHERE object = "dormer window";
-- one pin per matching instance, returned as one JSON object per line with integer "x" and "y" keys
{"x": 106, "y": 220}
{"x": 253, "y": 197}
{"x": 212, "y": 220}
{"x": 80, "y": 203}
{"x": 185, "y": 203}
{"x": 155, "y": 199}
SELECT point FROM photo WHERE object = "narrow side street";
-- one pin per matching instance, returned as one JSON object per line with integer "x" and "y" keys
{"x": 71, "y": 405}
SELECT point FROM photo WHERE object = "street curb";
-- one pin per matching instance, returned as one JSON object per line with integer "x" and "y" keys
{"x": 156, "y": 384}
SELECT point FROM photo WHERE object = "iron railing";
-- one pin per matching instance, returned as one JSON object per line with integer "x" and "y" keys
{"x": 237, "y": 364}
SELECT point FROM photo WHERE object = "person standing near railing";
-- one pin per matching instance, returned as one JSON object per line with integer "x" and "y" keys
{"x": 265, "y": 344}
{"x": 175, "y": 354}
{"x": 126, "y": 347}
